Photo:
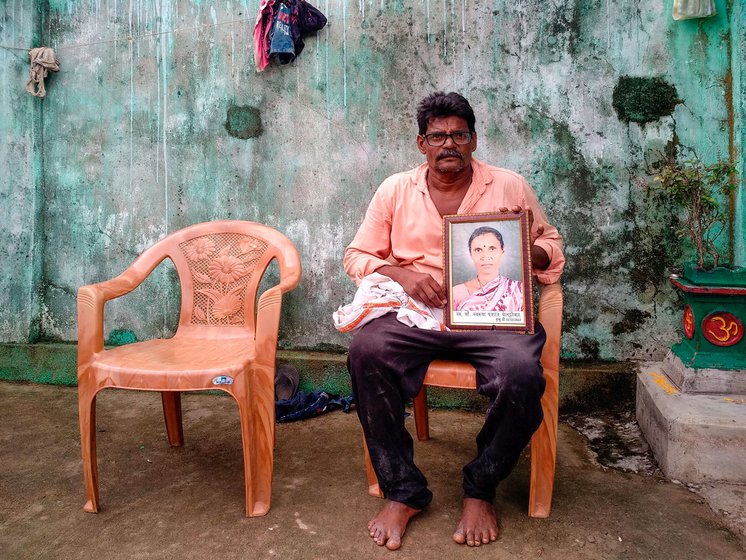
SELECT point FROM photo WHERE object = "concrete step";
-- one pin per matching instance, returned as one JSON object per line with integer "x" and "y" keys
{"x": 695, "y": 437}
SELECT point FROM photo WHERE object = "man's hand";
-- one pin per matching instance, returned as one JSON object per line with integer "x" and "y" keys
{"x": 418, "y": 285}
{"x": 539, "y": 258}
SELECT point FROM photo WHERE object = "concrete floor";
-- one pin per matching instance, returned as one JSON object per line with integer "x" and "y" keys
{"x": 161, "y": 502}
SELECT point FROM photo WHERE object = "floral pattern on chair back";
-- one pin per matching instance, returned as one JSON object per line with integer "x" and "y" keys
{"x": 221, "y": 265}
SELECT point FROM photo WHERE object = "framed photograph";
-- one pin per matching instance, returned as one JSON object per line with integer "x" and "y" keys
{"x": 488, "y": 272}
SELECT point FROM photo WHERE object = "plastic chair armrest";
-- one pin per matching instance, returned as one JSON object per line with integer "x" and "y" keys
{"x": 267, "y": 325}
{"x": 290, "y": 268}
{"x": 91, "y": 301}
{"x": 270, "y": 303}
{"x": 550, "y": 316}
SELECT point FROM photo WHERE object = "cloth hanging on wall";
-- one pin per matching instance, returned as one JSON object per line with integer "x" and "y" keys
{"x": 272, "y": 19}
{"x": 691, "y": 9}
{"x": 42, "y": 61}
{"x": 281, "y": 46}
{"x": 262, "y": 29}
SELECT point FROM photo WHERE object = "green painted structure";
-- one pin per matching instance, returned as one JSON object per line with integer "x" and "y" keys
{"x": 158, "y": 119}
{"x": 714, "y": 317}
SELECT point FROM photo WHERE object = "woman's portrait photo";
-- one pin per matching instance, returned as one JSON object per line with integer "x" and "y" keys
{"x": 487, "y": 271}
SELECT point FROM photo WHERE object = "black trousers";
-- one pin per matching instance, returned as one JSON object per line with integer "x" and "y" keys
{"x": 387, "y": 363}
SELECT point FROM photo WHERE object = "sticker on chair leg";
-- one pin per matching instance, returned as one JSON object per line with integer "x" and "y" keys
{"x": 223, "y": 380}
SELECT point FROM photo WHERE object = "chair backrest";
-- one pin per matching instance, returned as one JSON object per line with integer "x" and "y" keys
{"x": 220, "y": 265}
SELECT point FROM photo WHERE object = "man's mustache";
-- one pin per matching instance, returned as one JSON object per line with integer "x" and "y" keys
{"x": 449, "y": 153}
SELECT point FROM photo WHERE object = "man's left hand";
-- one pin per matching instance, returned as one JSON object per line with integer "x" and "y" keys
{"x": 539, "y": 257}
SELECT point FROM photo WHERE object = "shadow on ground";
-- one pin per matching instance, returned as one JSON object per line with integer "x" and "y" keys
{"x": 187, "y": 503}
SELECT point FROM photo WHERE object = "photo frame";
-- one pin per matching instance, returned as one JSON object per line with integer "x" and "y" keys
{"x": 487, "y": 264}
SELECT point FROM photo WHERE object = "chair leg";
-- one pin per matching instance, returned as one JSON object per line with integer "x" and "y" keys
{"x": 373, "y": 488}
{"x": 544, "y": 451}
{"x": 257, "y": 434}
{"x": 421, "y": 420}
{"x": 172, "y": 414}
{"x": 87, "y": 419}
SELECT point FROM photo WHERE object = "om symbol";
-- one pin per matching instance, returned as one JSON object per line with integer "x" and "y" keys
{"x": 688, "y": 322}
{"x": 722, "y": 329}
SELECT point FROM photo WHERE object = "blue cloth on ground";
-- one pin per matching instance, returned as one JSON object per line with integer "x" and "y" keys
{"x": 305, "y": 405}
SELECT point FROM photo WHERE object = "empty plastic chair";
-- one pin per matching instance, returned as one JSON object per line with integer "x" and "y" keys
{"x": 225, "y": 340}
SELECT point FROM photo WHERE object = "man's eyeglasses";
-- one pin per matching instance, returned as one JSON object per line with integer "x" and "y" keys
{"x": 439, "y": 138}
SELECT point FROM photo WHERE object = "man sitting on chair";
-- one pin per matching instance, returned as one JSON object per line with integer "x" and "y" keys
{"x": 401, "y": 237}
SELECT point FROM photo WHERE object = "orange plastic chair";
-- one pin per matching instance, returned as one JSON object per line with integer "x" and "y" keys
{"x": 225, "y": 340}
{"x": 461, "y": 375}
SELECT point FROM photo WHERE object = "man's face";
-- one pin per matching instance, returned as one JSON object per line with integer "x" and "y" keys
{"x": 487, "y": 255}
{"x": 450, "y": 157}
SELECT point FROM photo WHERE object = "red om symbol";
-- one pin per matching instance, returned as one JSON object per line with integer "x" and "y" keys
{"x": 722, "y": 329}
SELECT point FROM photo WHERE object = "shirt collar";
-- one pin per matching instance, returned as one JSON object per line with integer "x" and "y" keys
{"x": 479, "y": 180}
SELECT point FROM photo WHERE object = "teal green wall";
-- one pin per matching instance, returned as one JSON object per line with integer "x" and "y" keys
{"x": 21, "y": 176}
{"x": 131, "y": 144}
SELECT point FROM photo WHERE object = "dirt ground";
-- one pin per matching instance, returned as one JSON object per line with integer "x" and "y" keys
{"x": 187, "y": 503}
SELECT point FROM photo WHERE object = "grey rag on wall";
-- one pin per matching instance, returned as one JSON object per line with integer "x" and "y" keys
{"x": 42, "y": 61}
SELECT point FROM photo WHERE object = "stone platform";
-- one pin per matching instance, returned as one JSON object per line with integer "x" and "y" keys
{"x": 705, "y": 380}
{"x": 696, "y": 437}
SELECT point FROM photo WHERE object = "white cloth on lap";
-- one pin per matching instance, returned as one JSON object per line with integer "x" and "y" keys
{"x": 378, "y": 295}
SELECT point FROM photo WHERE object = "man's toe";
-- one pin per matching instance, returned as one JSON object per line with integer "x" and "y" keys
{"x": 459, "y": 536}
{"x": 470, "y": 538}
{"x": 393, "y": 542}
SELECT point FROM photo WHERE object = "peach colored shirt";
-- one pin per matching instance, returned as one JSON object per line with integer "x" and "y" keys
{"x": 403, "y": 227}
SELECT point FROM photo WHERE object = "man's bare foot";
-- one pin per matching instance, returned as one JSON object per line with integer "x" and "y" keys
{"x": 387, "y": 528}
{"x": 478, "y": 523}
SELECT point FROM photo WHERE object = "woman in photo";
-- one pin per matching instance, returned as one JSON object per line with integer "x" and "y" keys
{"x": 488, "y": 291}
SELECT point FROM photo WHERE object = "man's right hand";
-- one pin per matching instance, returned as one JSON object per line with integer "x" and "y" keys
{"x": 418, "y": 285}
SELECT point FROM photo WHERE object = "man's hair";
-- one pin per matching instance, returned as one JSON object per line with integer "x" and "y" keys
{"x": 441, "y": 104}
{"x": 486, "y": 229}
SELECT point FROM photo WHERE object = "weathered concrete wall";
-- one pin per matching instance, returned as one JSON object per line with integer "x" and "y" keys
{"x": 20, "y": 178}
{"x": 137, "y": 143}
{"x": 738, "y": 66}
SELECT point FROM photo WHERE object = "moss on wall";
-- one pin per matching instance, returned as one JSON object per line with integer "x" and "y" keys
{"x": 632, "y": 320}
{"x": 243, "y": 122}
{"x": 644, "y": 100}
{"x": 120, "y": 337}
{"x": 571, "y": 165}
